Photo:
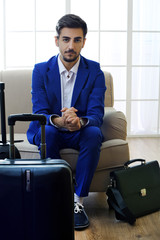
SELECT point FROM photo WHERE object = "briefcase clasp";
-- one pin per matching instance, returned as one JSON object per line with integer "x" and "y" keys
{"x": 143, "y": 192}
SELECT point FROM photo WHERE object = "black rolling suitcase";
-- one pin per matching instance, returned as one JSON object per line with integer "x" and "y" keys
{"x": 36, "y": 196}
{"x": 4, "y": 146}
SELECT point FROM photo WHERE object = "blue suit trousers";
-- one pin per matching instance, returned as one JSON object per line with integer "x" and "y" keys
{"x": 87, "y": 141}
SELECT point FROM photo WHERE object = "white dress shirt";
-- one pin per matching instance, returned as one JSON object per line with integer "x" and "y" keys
{"x": 67, "y": 82}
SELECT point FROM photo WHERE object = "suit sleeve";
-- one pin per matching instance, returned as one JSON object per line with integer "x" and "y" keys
{"x": 95, "y": 106}
{"x": 39, "y": 95}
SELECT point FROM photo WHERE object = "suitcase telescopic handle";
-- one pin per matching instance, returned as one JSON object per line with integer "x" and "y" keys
{"x": 27, "y": 117}
{"x": 3, "y": 113}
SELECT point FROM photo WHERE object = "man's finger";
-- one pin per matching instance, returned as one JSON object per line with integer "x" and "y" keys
{"x": 64, "y": 109}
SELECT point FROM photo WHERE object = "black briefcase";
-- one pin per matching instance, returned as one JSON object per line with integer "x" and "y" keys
{"x": 135, "y": 191}
{"x": 36, "y": 196}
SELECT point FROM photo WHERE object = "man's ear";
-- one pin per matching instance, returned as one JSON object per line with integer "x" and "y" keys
{"x": 56, "y": 41}
{"x": 84, "y": 41}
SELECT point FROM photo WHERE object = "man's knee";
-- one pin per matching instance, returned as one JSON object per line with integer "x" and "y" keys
{"x": 92, "y": 134}
{"x": 51, "y": 130}
{"x": 92, "y": 131}
{"x": 51, "y": 133}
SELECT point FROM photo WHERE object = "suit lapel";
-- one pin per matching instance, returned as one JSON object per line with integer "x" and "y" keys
{"x": 80, "y": 80}
{"x": 53, "y": 82}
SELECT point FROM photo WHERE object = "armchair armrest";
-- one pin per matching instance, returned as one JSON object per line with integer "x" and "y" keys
{"x": 114, "y": 124}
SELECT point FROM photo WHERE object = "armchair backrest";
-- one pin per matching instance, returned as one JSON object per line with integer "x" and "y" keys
{"x": 109, "y": 94}
{"x": 17, "y": 95}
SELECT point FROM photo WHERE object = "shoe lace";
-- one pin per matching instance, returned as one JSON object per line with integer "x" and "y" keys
{"x": 78, "y": 207}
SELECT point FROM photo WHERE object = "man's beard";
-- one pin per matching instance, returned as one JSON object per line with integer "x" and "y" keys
{"x": 70, "y": 59}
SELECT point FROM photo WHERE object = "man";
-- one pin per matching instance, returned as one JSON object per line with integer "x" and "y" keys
{"x": 69, "y": 91}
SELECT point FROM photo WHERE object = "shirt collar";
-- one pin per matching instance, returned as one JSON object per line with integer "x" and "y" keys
{"x": 62, "y": 68}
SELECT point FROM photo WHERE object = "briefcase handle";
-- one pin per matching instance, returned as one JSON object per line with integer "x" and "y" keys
{"x": 126, "y": 165}
{"x": 26, "y": 117}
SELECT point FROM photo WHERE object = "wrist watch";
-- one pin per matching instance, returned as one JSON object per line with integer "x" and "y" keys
{"x": 82, "y": 122}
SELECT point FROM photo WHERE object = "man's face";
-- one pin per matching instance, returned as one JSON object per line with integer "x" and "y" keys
{"x": 70, "y": 43}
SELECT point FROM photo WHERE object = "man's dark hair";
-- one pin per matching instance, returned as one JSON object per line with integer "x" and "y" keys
{"x": 71, "y": 21}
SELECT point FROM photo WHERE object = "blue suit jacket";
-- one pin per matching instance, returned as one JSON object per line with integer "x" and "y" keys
{"x": 88, "y": 92}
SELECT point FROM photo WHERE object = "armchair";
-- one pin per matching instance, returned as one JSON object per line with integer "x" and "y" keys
{"x": 114, "y": 150}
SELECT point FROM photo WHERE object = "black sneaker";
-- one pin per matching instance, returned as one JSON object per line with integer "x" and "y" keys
{"x": 80, "y": 217}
